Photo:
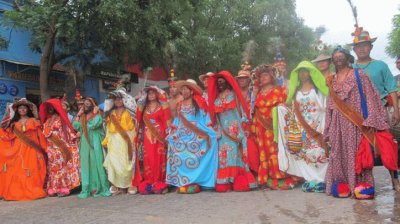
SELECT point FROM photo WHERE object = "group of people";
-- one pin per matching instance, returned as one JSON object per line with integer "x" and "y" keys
{"x": 324, "y": 130}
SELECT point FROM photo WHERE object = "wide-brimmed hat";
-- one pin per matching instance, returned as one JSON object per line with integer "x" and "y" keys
{"x": 361, "y": 36}
{"x": 243, "y": 74}
{"x": 322, "y": 57}
{"x": 191, "y": 84}
{"x": 29, "y": 104}
{"x": 203, "y": 76}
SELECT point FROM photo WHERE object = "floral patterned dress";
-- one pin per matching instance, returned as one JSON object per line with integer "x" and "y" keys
{"x": 231, "y": 164}
{"x": 268, "y": 172}
{"x": 61, "y": 173}
{"x": 311, "y": 161}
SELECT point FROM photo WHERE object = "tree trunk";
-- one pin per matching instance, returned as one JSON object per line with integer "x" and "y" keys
{"x": 46, "y": 64}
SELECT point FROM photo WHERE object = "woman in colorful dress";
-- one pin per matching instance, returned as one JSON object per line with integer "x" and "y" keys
{"x": 89, "y": 124}
{"x": 120, "y": 160}
{"x": 270, "y": 95}
{"x": 62, "y": 149}
{"x": 22, "y": 155}
{"x": 153, "y": 116}
{"x": 302, "y": 151}
{"x": 343, "y": 136}
{"x": 193, "y": 148}
{"x": 228, "y": 111}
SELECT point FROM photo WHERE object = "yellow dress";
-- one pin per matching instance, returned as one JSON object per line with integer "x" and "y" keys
{"x": 119, "y": 168}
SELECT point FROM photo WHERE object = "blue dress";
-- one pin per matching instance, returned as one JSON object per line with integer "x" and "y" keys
{"x": 189, "y": 160}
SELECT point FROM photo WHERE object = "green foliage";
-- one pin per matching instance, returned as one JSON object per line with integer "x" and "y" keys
{"x": 216, "y": 32}
{"x": 192, "y": 36}
{"x": 393, "y": 49}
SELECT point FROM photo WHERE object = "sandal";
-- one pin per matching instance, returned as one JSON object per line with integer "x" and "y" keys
{"x": 132, "y": 190}
{"x": 115, "y": 190}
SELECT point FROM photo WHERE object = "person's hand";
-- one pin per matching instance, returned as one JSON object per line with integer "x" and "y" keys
{"x": 395, "y": 117}
{"x": 80, "y": 112}
{"x": 96, "y": 110}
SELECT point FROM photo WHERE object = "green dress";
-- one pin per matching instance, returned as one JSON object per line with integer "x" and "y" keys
{"x": 93, "y": 176}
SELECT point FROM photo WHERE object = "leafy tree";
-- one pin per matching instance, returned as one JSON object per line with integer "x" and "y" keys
{"x": 216, "y": 33}
{"x": 393, "y": 49}
{"x": 78, "y": 33}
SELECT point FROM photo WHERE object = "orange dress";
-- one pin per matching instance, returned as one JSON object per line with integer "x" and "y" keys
{"x": 268, "y": 172}
{"x": 23, "y": 168}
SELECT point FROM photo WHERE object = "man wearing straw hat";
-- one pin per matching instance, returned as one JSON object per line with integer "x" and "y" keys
{"x": 382, "y": 78}
{"x": 323, "y": 62}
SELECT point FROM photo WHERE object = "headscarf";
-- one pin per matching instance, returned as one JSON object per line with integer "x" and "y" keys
{"x": 128, "y": 100}
{"x": 57, "y": 105}
{"x": 213, "y": 91}
{"x": 349, "y": 57}
{"x": 316, "y": 76}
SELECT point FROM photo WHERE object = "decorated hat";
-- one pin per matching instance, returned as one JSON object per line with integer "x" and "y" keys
{"x": 29, "y": 104}
{"x": 265, "y": 68}
{"x": 172, "y": 79}
{"x": 245, "y": 72}
{"x": 361, "y": 36}
{"x": 203, "y": 76}
{"x": 191, "y": 84}
{"x": 322, "y": 57}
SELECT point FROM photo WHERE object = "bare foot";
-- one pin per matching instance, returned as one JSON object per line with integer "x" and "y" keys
{"x": 396, "y": 184}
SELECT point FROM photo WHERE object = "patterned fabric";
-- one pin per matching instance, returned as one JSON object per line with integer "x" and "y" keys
{"x": 190, "y": 160}
{"x": 231, "y": 164}
{"x": 311, "y": 161}
{"x": 268, "y": 172}
{"x": 344, "y": 137}
{"x": 61, "y": 174}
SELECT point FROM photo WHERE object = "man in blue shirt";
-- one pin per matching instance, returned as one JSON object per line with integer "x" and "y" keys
{"x": 380, "y": 75}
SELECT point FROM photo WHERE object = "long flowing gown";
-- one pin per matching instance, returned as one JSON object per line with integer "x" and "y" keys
{"x": 23, "y": 168}
{"x": 230, "y": 158}
{"x": 119, "y": 168}
{"x": 93, "y": 176}
{"x": 311, "y": 162}
{"x": 190, "y": 160}
{"x": 154, "y": 151}
{"x": 269, "y": 173}
{"x": 61, "y": 173}
{"x": 344, "y": 137}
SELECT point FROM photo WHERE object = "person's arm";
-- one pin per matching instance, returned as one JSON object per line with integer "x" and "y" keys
{"x": 391, "y": 87}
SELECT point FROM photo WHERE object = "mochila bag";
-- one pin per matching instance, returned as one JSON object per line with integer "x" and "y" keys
{"x": 294, "y": 135}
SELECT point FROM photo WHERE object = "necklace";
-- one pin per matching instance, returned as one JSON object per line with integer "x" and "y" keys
{"x": 151, "y": 110}
{"x": 23, "y": 124}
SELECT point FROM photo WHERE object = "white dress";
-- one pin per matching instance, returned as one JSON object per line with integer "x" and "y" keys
{"x": 311, "y": 162}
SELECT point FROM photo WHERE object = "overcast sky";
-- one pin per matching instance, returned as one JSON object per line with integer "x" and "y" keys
{"x": 375, "y": 16}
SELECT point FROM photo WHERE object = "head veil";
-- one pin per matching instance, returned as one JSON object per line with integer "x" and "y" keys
{"x": 316, "y": 76}
{"x": 213, "y": 91}
{"x": 128, "y": 100}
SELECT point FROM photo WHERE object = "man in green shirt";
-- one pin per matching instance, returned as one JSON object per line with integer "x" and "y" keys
{"x": 380, "y": 75}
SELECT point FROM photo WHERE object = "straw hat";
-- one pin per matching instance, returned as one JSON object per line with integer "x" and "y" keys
{"x": 322, "y": 57}
{"x": 203, "y": 76}
{"x": 191, "y": 84}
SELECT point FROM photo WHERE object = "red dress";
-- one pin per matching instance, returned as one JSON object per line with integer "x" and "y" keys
{"x": 154, "y": 151}
{"x": 268, "y": 172}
